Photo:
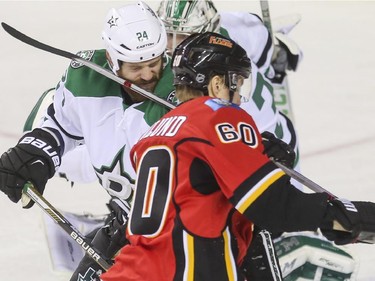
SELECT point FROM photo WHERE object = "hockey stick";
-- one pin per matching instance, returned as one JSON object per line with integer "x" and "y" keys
{"x": 364, "y": 236}
{"x": 30, "y": 191}
{"x": 281, "y": 91}
{"x": 303, "y": 180}
{"x": 266, "y": 15}
{"x": 32, "y": 42}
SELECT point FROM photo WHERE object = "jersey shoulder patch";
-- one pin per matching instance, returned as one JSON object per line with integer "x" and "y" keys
{"x": 86, "y": 82}
{"x": 87, "y": 55}
{"x": 216, "y": 104}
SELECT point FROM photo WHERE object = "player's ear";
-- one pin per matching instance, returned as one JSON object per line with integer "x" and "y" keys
{"x": 215, "y": 86}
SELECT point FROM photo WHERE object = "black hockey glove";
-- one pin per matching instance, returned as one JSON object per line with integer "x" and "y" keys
{"x": 34, "y": 159}
{"x": 108, "y": 240}
{"x": 280, "y": 64}
{"x": 278, "y": 150}
{"x": 286, "y": 56}
{"x": 354, "y": 217}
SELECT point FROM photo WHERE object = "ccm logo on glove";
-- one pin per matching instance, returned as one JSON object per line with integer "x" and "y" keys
{"x": 43, "y": 146}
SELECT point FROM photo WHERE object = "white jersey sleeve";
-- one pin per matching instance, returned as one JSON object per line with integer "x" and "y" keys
{"x": 267, "y": 117}
{"x": 249, "y": 31}
{"x": 95, "y": 122}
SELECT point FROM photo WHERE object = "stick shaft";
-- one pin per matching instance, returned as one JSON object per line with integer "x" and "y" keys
{"x": 302, "y": 179}
{"x": 364, "y": 236}
{"x": 266, "y": 15}
{"x": 37, "y": 44}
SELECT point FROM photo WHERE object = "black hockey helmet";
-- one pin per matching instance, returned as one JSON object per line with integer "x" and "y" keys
{"x": 200, "y": 56}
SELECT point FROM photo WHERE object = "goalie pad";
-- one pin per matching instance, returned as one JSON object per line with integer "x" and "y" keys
{"x": 309, "y": 256}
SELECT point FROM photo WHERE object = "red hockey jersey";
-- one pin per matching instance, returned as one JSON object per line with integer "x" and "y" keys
{"x": 200, "y": 173}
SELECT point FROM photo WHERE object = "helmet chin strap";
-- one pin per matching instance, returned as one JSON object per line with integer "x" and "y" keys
{"x": 231, "y": 83}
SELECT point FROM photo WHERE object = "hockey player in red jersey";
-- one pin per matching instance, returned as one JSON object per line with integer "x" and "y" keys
{"x": 197, "y": 194}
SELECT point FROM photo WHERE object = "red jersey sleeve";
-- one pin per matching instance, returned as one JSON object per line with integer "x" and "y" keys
{"x": 243, "y": 172}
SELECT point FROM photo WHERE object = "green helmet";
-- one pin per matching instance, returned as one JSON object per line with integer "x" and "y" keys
{"x": 187, "y": 17}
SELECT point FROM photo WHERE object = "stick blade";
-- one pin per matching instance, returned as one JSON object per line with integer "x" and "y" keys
{"x": 32, "y": 42}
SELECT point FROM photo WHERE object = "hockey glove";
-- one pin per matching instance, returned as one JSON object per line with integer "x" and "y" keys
{"x": 109, "y": 239}
{"x": 35, "y": 159}
{"x": 287, "y": 56}
{"x": 278, "y": 150}
{"x": 352, "y": 218}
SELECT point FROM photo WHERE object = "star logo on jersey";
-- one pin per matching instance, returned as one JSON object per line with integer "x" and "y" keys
{"x": 112, "y": 22}
{"x": 114, "y": 179}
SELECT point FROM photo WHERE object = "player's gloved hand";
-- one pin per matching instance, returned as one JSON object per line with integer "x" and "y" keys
{"x": 279, "y": 63}
{"x": 108, "y": 240}
{"x": 115, "y": 226}
{"x": 287, "y": 56}
{"x": 352, "y": 218}
{"x": 278, "y": 150}
{"x": 34, "y": 159}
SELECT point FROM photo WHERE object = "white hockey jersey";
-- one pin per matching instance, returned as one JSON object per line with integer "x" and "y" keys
{"x": 90, "y": 110}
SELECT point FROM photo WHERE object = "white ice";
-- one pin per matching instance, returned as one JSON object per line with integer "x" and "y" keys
{"x": 333, "y": 98}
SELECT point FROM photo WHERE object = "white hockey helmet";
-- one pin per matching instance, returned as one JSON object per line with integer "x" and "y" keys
{"x": 187, "y": 17}
{"x": 133, "y": 33}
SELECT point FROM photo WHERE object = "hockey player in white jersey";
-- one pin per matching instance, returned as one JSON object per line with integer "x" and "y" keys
{"x": 89, "y": 109}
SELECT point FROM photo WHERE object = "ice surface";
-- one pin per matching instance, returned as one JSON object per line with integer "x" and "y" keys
{"x": 332, "y": 95}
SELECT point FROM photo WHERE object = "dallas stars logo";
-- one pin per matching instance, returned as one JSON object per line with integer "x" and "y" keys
{"x": 112, "y": 22}
{"x": 90, "y": 275}
{"x": 114, "y": 179}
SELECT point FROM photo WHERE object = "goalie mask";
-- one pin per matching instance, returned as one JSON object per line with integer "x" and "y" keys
{"x": 201, "y": 56}
{"x": 187, "y": 17}
{"x": 133, "y": 33}
{"x": 182, "y": 18}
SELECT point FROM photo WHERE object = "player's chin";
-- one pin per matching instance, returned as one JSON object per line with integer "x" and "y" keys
{"x": 149, "y": 86}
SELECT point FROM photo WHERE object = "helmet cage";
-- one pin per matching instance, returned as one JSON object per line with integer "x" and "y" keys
{"x": 189, "y": 16}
